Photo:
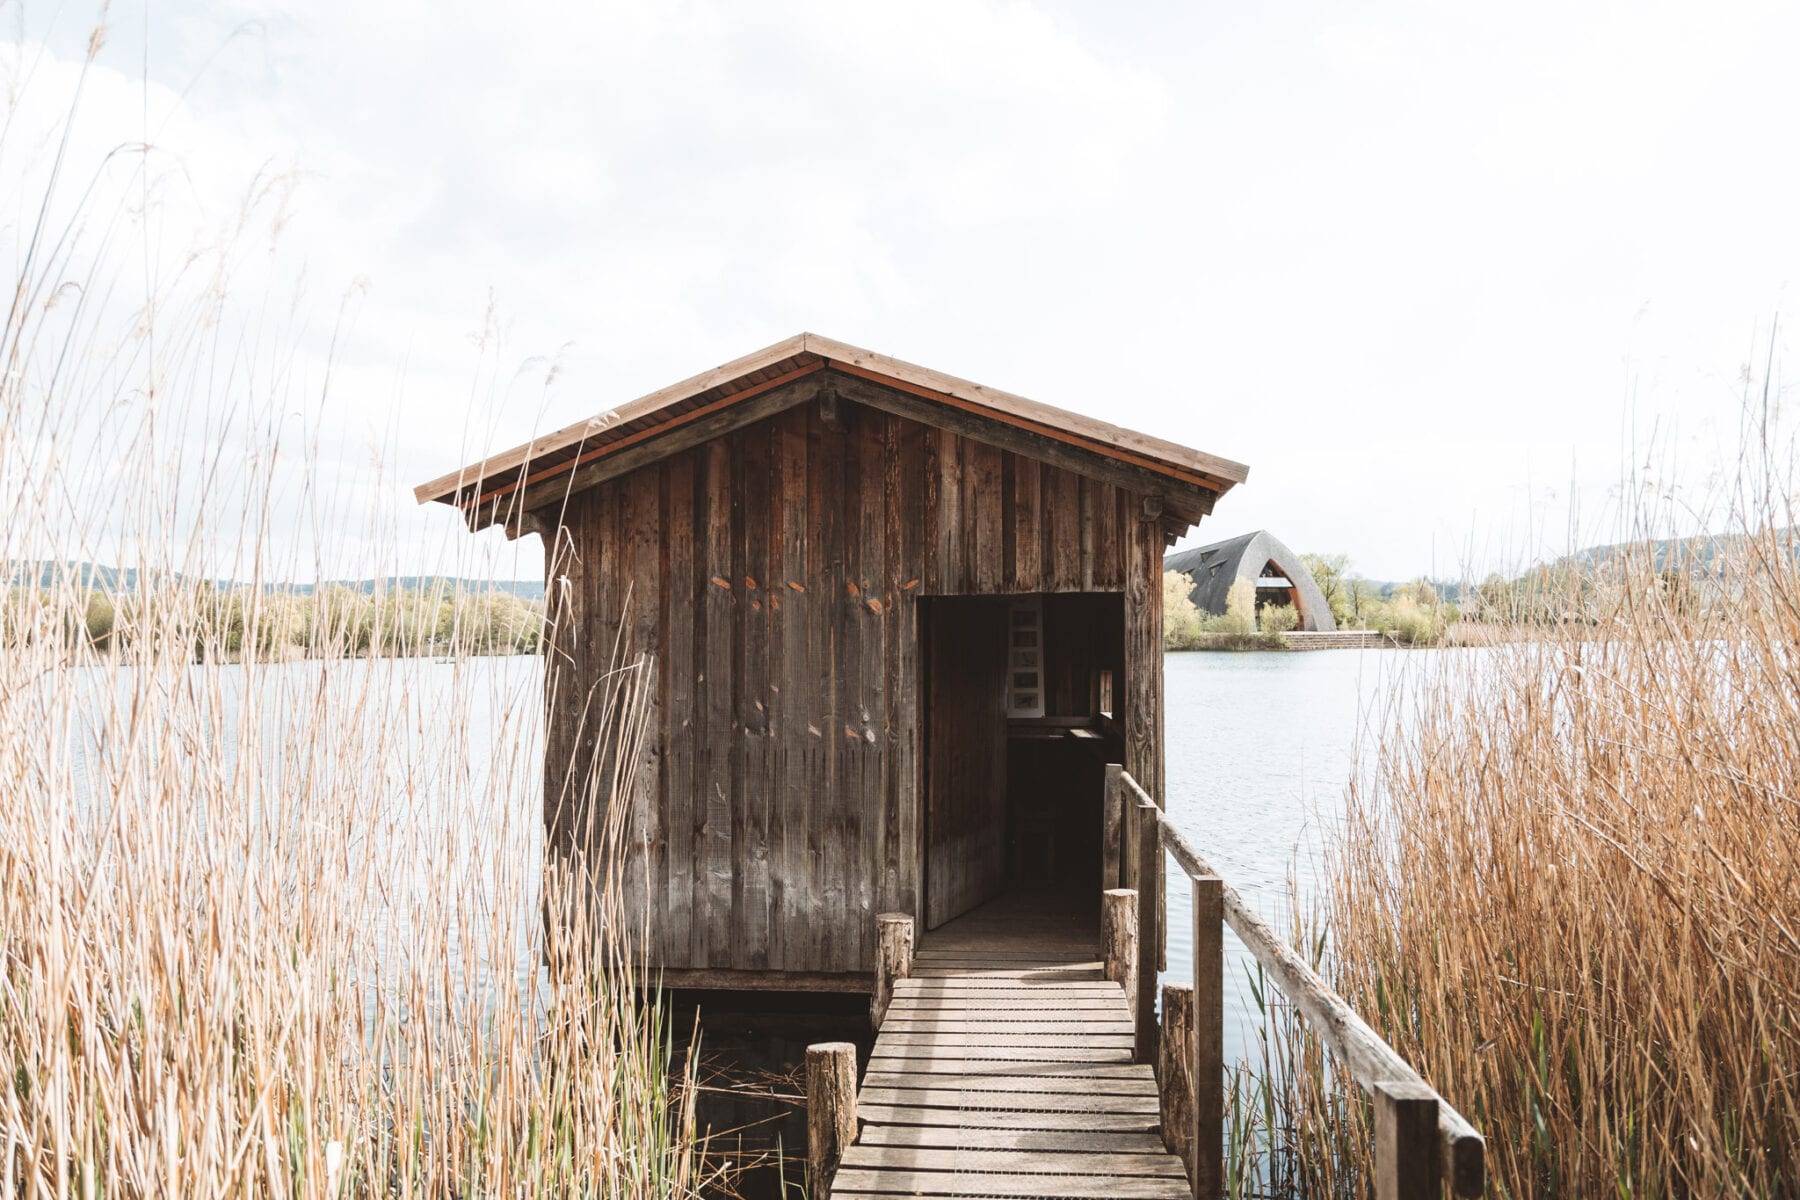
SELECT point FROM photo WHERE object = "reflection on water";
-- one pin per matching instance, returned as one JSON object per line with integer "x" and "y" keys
{"x": 751, "y": 1067}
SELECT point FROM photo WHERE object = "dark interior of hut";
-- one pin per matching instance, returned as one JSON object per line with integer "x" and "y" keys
{"x": 1020, "y": 722}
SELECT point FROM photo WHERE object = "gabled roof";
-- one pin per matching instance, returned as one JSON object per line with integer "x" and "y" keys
{"x": 547, "y": 469}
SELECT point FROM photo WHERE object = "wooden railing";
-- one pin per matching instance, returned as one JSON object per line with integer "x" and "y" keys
{"x": 1420, "y": 1140}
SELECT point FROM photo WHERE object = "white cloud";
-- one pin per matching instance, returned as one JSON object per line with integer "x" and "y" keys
{"x": 1409, "y": 262}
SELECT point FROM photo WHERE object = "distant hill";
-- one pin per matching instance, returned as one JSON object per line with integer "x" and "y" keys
{"x": 524, "y": 589}
{"x": 1695, "y": 555}
{"x": 85, "y": 576}
{"x": 47, "y": 574}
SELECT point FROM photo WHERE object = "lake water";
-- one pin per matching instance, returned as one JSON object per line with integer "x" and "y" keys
{"x": 1259, "y": 748}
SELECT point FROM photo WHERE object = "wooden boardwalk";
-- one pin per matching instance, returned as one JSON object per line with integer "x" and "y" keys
{"x": 1004, "y": 1068}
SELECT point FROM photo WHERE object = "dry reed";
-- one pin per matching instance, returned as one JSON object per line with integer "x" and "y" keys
{"x": 270, "y": 928}
{"x": 1568, "y": 889}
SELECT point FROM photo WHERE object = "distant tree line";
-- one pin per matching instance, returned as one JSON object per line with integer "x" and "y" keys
{"x": 216, "y": 621}
{"x": 1414, "y": 613}
{"x": 1570, "y": 591}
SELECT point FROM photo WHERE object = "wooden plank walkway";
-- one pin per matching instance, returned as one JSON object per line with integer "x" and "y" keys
{"x": 1004, "y": 1069}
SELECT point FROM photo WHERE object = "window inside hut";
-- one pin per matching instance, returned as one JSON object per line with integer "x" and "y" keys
{"x": 1025, "y": 659}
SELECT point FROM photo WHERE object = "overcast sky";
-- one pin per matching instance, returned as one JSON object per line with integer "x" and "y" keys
{"x": 1424, "y": 267}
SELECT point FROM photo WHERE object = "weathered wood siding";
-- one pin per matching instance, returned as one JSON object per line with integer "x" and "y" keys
{"x": 772, "y": 578}
{"x": 965, "y": 751}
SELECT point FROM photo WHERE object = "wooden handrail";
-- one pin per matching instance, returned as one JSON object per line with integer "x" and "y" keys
{"x": 1372, "y": 1063}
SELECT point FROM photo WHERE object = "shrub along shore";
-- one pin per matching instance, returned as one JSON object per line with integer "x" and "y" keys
{"x": 278, "y": 623}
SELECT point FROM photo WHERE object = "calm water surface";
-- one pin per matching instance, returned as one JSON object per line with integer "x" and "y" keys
{"x": 1259, "y": 748}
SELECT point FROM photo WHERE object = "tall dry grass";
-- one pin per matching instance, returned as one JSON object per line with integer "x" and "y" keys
{"x": 269, "y": 928}
{"x": 1568, "y": 890}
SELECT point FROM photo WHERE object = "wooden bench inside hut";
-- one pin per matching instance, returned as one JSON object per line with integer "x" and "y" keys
{"x": 890, "y": 627}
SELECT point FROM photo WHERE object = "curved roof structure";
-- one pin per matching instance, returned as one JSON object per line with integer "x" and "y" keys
{"x": 1279, "y": 575}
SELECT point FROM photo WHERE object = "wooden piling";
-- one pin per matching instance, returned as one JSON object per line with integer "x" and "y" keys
{"x": 1175, "y": 1072}
{"x": 1406, "y": 1141}
{"x": 893, "y": 960}
{"x": 1112, "y": 828}
{"x": 830, "y": 1112}
{"x": 1118, "y": 939}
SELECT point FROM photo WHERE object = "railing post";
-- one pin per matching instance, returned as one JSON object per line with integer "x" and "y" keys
{"x": 1207, "y": 1169}
{"x": 1118, "y": 939}
{"x": 1149, "y": 856}
{"x": 1422, "y": 1142}
{"x": 830, "y": 1112}
{"x": 1128, "y": 824}
{"x": 1406, "y": 1142}
{"x": 1175, "y": 1072}
{"x": 1112, "y": 828}
{"x": 893, "y": 960}
{"x": 1162, "y": 911}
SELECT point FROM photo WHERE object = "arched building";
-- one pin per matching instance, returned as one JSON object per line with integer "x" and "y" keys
{"x": 1279, "y": 575}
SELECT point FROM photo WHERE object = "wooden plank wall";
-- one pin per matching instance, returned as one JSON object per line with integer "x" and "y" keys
{"x": 965, "y": 745}
{"x": 772, "y": 577}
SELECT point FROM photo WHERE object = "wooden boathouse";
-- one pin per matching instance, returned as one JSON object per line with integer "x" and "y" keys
{"x": 900, "y": 640}
{"x": 898, "y": 622}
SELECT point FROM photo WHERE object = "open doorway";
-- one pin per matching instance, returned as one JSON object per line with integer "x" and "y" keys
{"x": 1020, "y": 698}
